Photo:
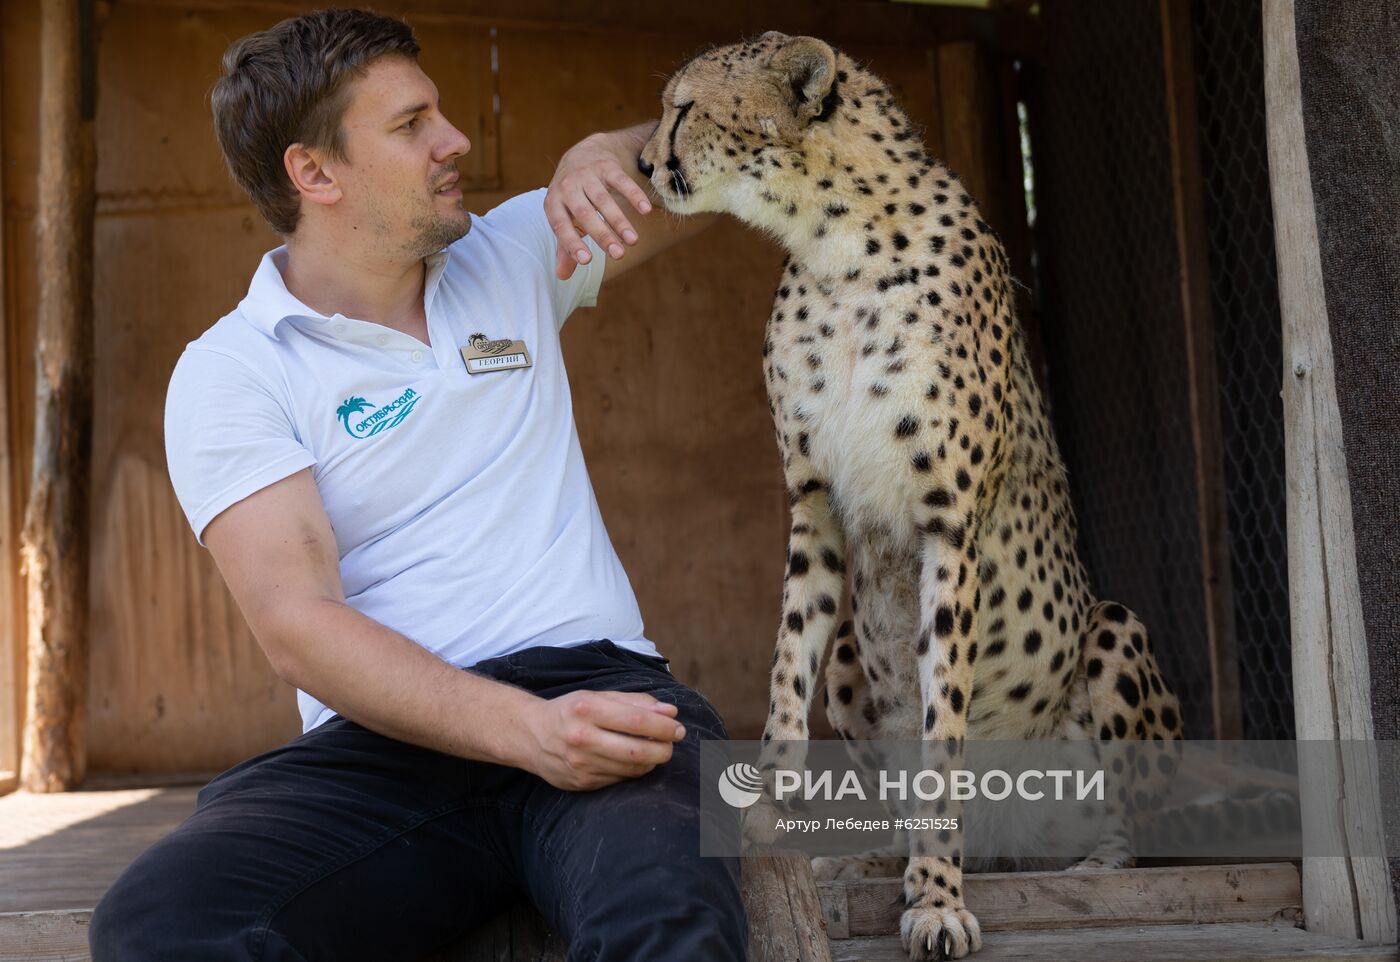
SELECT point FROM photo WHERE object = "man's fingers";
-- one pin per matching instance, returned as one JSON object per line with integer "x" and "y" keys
{"x": 585, "y": 214}
{"x": 624, "y": 753}
{"x": 632, "y": 719}
{"x": 562, "y": 223}
{"x": 619, "y": 181}
{"x": 564, "y": 263}
{"x": 613, "y": 214}
{"x": 642, "y": 698}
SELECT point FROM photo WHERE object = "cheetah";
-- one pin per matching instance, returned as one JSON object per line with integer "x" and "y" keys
{"x": 917, "y": 450}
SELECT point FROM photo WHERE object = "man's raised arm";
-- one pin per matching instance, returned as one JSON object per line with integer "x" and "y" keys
{"x": 583, "y": 188}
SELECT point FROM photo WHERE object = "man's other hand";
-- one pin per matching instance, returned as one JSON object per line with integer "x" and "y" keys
{"x": 589, "y": 739}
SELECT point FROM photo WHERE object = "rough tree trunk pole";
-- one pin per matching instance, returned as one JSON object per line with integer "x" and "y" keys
{"x": 54, "y": 545}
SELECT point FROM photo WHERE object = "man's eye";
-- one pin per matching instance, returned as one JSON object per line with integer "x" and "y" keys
{"x": 409, "y": 125}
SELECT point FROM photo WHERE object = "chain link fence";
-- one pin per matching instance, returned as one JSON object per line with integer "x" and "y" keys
{"x": 1229, "y": 57}
{"x": 1112, "y": 323}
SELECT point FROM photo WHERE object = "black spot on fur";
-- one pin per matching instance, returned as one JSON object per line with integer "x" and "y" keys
{"x": 1128, "y": 689}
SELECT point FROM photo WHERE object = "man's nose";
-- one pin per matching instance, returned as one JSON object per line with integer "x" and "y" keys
{"x": 645, "y": 167}
{"x": 456, "y": 143}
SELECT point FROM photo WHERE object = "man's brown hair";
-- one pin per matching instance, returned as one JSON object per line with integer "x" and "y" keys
{"x": 290, "y": 85}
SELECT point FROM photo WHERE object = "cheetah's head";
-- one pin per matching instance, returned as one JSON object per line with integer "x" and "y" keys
{"x": 732, "y": 118}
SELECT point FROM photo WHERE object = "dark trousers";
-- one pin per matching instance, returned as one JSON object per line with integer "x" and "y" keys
{"x": 346, "y": 845}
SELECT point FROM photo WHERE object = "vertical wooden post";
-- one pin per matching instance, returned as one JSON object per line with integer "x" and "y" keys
{"x": 11, "y": 667}
{"x": 1203, "y": 384}
{"x": 1331, "y": 677}
{"x": 784, "y": 910}
{"x": 55, "y": 539}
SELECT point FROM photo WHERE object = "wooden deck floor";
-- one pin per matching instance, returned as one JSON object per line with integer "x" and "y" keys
{"x": 62, "y": 851}
{"x": 59, "y": 854}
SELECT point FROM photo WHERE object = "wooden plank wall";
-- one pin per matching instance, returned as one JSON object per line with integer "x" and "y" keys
{"x": 666, "y": 377}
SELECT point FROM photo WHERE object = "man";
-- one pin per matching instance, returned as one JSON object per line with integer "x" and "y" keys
{"x": 377, "y": 447}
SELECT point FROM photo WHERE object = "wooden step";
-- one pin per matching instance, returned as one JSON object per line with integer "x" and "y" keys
{"x": 59, "y": 936}
{"x": 1236, "y": 942}
{"x": 62, "y": 937}
{"x": 1263, "y": 892}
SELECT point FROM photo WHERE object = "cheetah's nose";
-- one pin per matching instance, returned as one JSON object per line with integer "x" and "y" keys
{"x": 645, "y": 167}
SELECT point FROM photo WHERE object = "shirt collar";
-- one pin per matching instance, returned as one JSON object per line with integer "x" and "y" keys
{"x": 268, "y": 302}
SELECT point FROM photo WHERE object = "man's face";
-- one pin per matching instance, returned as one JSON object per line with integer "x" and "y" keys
{"x": 402, "y": 153}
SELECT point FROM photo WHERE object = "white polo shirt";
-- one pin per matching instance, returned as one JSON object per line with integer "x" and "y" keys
{"x": 463, "y": 514}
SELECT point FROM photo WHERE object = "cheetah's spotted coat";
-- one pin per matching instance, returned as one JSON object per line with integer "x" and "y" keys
{"x": 917, "y": 450}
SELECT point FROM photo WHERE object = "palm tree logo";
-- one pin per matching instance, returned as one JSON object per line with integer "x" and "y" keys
{"x": 353, "y": 405}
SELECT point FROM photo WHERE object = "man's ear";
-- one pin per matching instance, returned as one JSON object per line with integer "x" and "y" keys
{"x": 808, "y": 68}
{"x": 305, "y": 167}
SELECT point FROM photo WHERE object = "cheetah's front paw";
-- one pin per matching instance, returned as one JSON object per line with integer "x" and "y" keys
{"x": 933, "y": 934}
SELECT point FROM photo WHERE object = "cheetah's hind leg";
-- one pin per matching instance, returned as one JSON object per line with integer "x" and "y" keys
{"x": 888, "y": 861}
{"x": 1129, "y": 701}
{"x": 851, "y": 711}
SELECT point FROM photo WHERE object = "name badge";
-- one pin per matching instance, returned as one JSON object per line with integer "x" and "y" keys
{"x": 483, "y": 354}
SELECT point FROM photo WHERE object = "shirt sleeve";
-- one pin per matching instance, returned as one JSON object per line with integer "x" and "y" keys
{"x": 523, "y": 220}
{"x": 227, "y": 435}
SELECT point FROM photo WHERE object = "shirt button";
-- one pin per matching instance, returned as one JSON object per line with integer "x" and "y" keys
{"x": 383, "y": 339}
{"x": 418, "y": 355}
{"x": 340, "y": 328}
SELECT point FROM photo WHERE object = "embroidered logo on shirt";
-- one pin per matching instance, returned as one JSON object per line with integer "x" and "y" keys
{"x": 360, "y": 426}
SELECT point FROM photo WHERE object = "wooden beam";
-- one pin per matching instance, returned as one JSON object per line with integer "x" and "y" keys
{"x": 718, "y": 21}
{"x": 1203, "y": 385}
{"x": 55, "y": 538}
{"x": 1007, "y": 901}
{"x": 1331, "y": 677}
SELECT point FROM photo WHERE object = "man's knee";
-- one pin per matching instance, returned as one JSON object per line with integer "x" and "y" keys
{"x": 696, "y": 712}
{"x": 157, "y": 910}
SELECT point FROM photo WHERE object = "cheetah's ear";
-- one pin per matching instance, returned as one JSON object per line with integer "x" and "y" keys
{"x": 809, "y": 67}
